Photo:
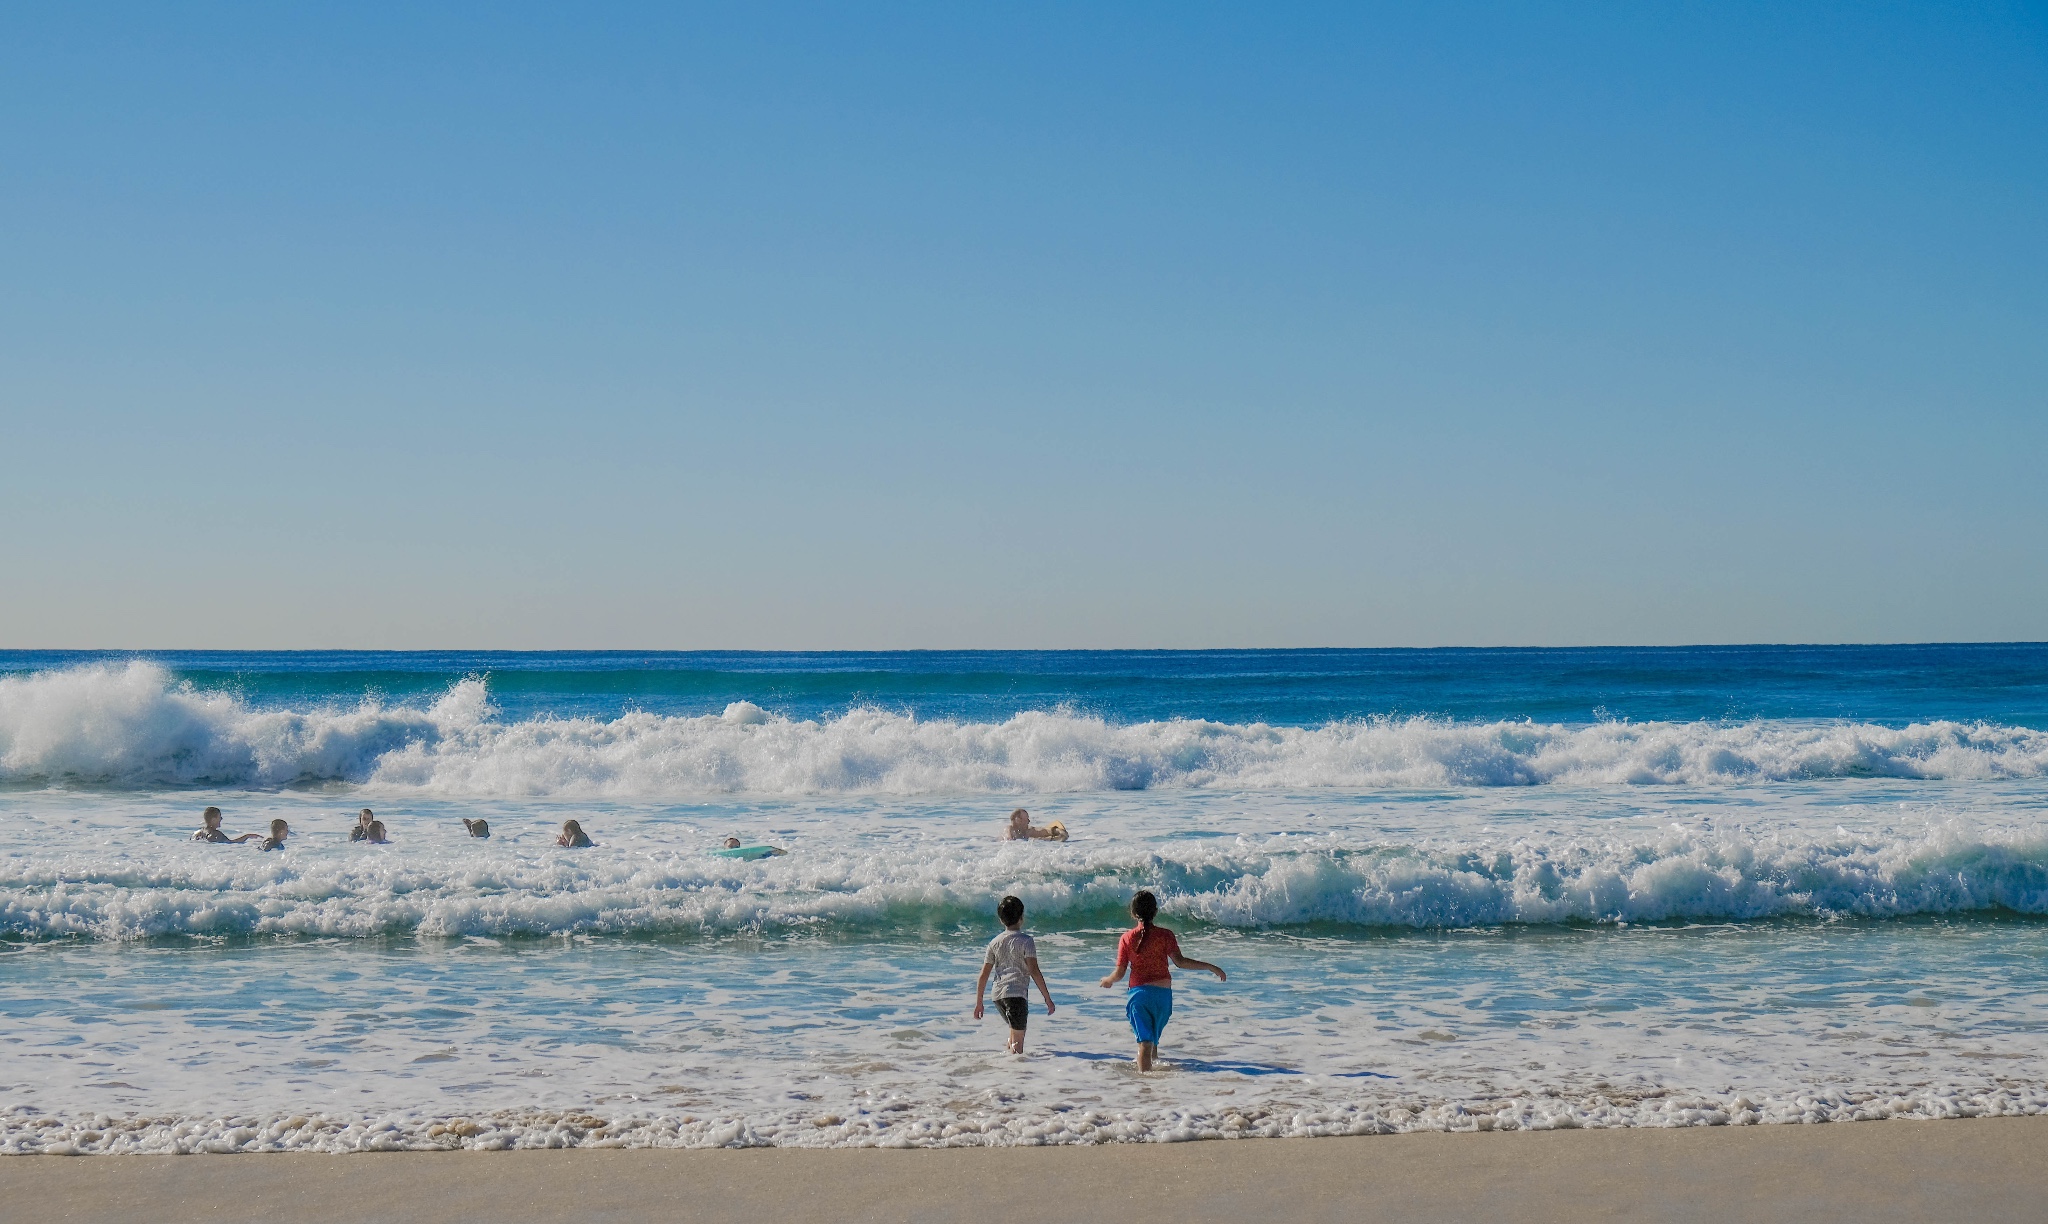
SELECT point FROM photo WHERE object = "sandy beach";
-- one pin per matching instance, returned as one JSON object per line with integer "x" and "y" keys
{"x": 1908, "y": 1171}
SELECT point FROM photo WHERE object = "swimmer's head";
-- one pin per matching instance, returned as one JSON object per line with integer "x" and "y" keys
{"x": 278, "y": 828}
{"x": 477, "y": 828}
{"x": 572, "y": 828}
{"x": 732, "y": 843}
{"x": 365, "y": 817}
{"x": 1010, "y": 910}
{"x": 1145, "y": 907}
{"x": 211, "y": 816}
{"x": 377, "y": 831}
{"x": 1020, "y": 819}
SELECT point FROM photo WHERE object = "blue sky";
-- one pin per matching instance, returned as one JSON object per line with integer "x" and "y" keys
{"x": 895, "y": 326}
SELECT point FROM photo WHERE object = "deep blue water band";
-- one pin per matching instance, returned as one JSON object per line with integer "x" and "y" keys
{"x": 1887, "y": 685}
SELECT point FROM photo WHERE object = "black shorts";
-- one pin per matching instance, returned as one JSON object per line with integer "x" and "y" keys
{"x": 1015, "y": 1012}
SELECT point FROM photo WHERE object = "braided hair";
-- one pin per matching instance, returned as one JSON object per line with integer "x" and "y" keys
{"x": 1144, "y": 907}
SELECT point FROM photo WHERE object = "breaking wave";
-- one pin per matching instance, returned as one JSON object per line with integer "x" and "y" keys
{"x": 647, "y": 886}
{"x": 134, "y": 726}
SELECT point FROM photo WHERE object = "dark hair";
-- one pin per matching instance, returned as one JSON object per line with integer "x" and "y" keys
{"x": 212, "y": 811}
{"x": 1010, "y": 910}
{"x": 1144, "y": 907}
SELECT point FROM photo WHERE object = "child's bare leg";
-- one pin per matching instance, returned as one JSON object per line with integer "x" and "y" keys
{"x": 1016, "y": 1041}
{"x": 1147, "y": 1051}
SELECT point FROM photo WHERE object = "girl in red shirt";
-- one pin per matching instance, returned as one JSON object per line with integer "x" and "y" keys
{"x": 1145, "y": 950}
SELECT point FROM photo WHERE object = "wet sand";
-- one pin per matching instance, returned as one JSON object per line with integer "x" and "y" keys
{"x": 1967, "y": 1170}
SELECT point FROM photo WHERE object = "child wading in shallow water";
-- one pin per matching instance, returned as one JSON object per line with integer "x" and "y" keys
{"x": 1145, "y": 951}
{"x": 1012, "y": 961}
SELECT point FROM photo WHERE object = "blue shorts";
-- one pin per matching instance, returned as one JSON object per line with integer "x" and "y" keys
{"x": 1148, "y": 1008}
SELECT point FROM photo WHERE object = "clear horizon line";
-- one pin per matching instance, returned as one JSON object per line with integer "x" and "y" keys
{"x": 866, "y": 650}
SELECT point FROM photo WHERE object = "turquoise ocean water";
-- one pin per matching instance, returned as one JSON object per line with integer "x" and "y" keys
{"x": 1454, "y": 889}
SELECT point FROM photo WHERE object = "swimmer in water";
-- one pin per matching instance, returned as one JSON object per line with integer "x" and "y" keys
{"x": 211, "y": 833}
{"x": 210, "y": 819}
{"x": 477, "y": 828}
{"x": 363, "y": 822}
{"x": 1021, "y": 829}
{"x": 733, "y": 849}
{"x": 279, "y": 830}
{"x": 377, "y": 836}
{"x": 573, "y": 837}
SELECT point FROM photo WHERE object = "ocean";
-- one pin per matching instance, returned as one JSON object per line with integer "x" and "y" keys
{"x": 1454, "y": 889}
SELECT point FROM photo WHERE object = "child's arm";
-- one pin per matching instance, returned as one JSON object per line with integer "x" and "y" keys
{"x": 246, "y": 837}
{"x": 1122, "y": 964}
{"x": 1189, "y": 962}
{"x": 980, "y": 987}
{"x": 1031, "y": 966}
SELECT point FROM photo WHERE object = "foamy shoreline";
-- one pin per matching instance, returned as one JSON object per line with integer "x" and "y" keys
{"x": 26, "y": 1130}
{"x": 1869, "y": 1174}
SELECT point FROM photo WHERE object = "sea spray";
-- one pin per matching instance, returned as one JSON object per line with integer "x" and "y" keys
{"x": 132, "y": 726}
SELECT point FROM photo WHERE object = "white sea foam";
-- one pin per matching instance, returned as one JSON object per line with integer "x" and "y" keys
{"x": 28, "y": 1131}
{"x": 1384, "y": 894}
{"x": 132, "y": 726}
{"x": 642, "y": 882}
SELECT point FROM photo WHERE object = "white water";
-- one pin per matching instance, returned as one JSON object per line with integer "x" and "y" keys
{"x": 343, "y": 1046}
{"x": 444, "y": 992}
{"x": 83, "y": 866}
{"x": 132, "y": 727}
{"x": 1852, "y": 903}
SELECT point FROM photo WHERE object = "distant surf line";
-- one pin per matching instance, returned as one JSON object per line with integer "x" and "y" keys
{"x": 134, "y": 726}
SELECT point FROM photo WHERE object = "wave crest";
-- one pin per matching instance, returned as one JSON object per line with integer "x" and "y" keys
{"x": 134, "y": 726}
{"x": 646, "y": 886}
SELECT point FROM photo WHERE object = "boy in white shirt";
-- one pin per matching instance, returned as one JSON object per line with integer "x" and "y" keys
{"x": 1013, "y": 961}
